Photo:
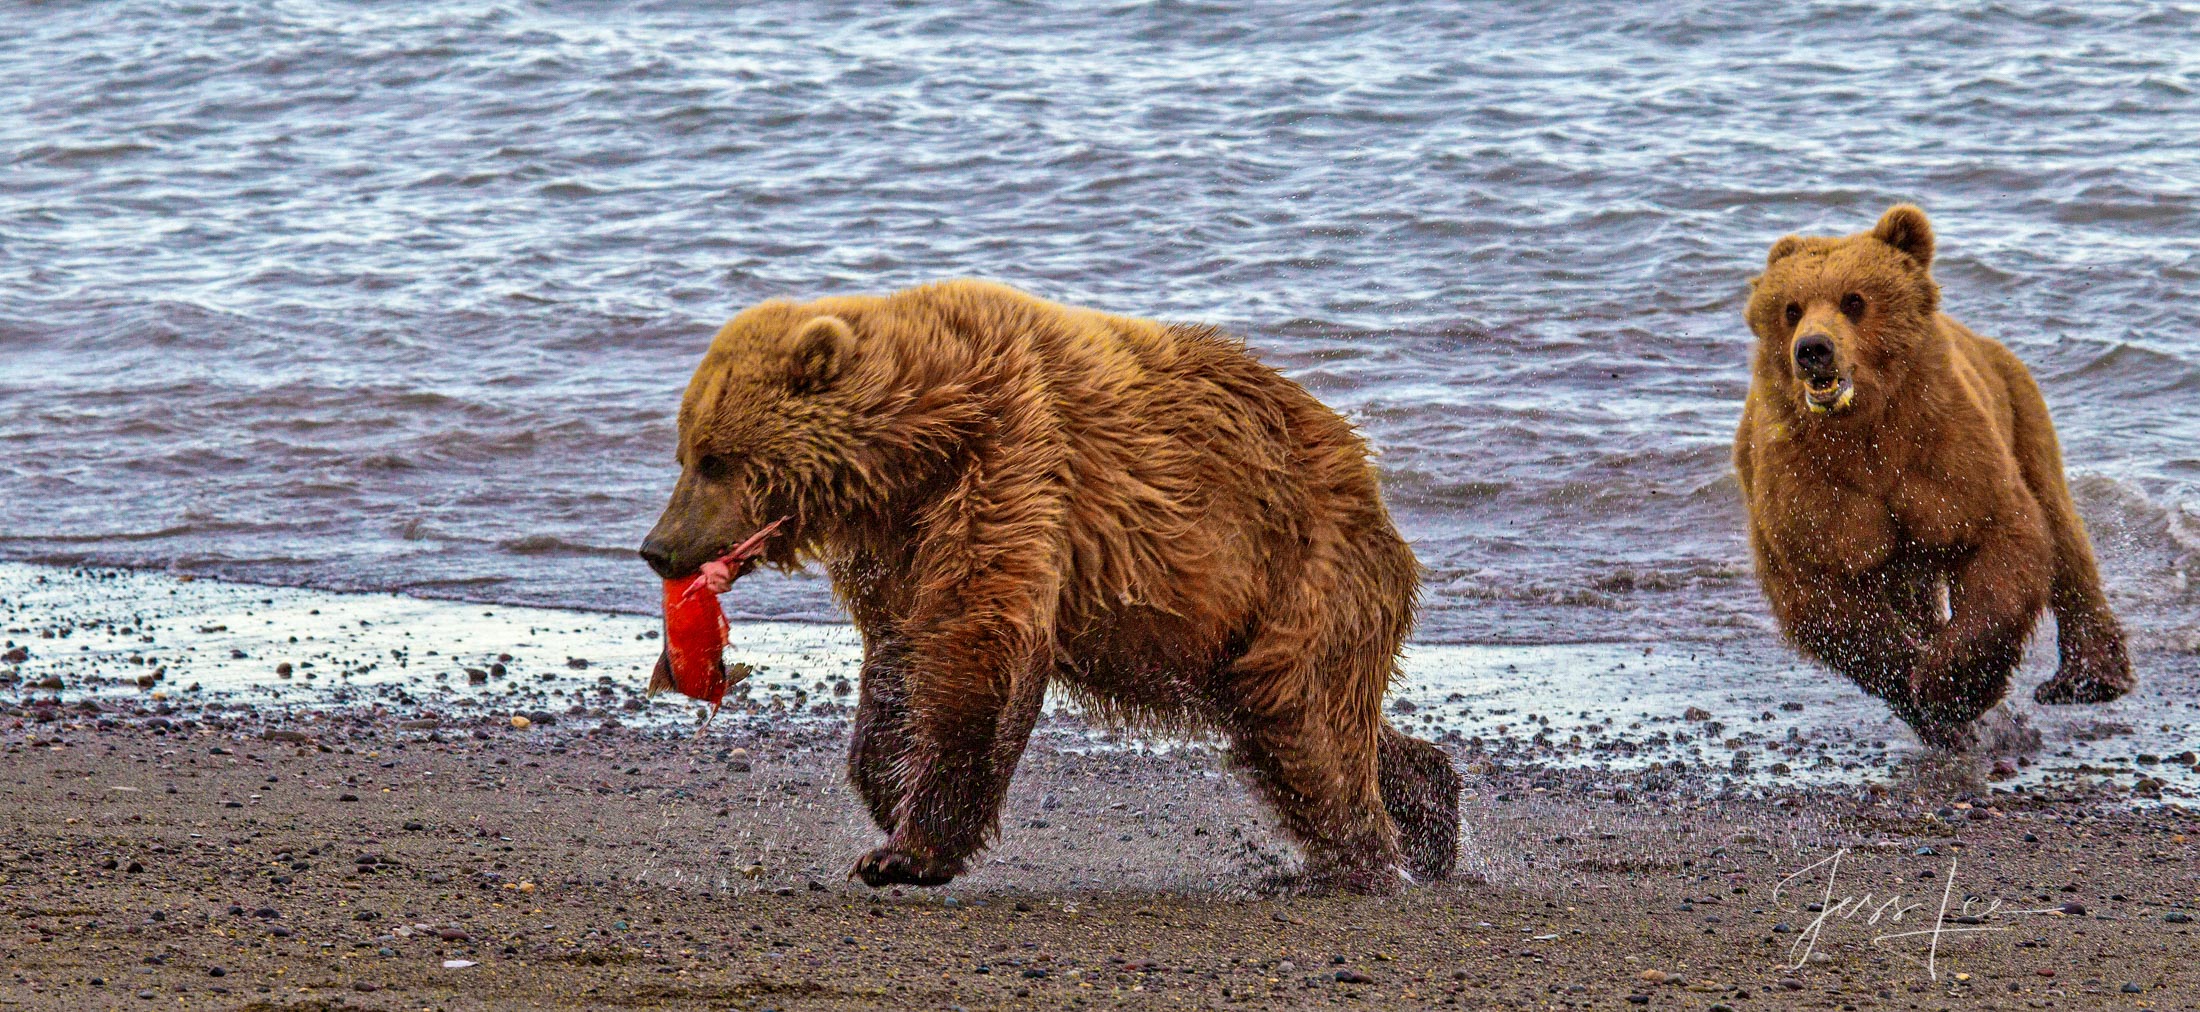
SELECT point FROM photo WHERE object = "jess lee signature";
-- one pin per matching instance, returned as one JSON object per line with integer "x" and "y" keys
{"x": 1965, "y": 918}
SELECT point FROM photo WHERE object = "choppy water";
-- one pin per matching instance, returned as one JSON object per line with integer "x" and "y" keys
{"x": 402, "y": 296}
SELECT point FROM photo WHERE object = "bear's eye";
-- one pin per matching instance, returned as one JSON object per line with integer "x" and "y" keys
{"x": 713, "y": 467}
{"x": 1795, "y": 313}
{"x": 1852, "y": 306}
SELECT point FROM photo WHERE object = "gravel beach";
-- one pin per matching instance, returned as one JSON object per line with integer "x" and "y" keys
{"x": 405, "y": 843}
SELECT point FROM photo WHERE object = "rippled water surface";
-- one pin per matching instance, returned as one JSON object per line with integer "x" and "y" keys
{"x": 403, "y": 296}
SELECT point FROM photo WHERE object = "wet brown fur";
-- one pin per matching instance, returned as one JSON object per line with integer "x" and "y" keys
{"x": 1911, "y": 540}
{"x": 1010, "y": 493}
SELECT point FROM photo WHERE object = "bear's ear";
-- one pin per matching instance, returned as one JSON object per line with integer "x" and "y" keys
{"x": 1904, "y": 227}
{"x": 1788, "y": 246}
{"x": 820, "y": 350}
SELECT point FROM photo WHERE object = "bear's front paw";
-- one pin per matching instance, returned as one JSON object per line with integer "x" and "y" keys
{"x": 1947, "y": 736}
{"x": 2095, "y": 667}
{"x": 889, "y": 865}
{"x": 2086, "y": 680}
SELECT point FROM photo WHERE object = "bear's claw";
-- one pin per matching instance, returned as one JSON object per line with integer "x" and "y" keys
{"x": 889, "y": 866}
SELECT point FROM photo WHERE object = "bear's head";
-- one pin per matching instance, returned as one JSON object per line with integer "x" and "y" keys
{"x": 792, "y": 415}
{"x": 1839, "y": 320}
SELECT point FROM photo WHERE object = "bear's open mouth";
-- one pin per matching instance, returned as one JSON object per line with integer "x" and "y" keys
{"x": 1831, "y": 393}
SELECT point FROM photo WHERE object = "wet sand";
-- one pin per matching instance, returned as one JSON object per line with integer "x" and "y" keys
{"x": 345, "y": 841}
{"x": 343, "y": 866}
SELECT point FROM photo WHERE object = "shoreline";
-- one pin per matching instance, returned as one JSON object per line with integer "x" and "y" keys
{"x": 148, "y": 644}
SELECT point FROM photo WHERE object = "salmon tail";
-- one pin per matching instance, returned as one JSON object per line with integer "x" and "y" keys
{"x": 661, "y": 679}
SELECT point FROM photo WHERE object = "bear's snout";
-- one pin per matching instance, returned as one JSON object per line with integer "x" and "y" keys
{"x": 1814, "y": 357}
{"x": 660, "y": 557}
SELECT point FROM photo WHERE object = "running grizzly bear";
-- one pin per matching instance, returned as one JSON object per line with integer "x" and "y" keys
{"x": 1906, "y": 499}
{"x": 1010, "y": 493}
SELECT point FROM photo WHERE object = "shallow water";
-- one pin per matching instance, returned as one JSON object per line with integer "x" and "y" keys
{"x": 402, "y": 297}
{"x": 1709, "y": 715}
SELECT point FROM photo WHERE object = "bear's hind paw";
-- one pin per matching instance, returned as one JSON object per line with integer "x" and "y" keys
{"x": 889, "y": 866}
{"x": 1360, "y": 881}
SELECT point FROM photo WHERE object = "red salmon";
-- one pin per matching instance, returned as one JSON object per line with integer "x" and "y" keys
{"x": 693, "y": 661}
